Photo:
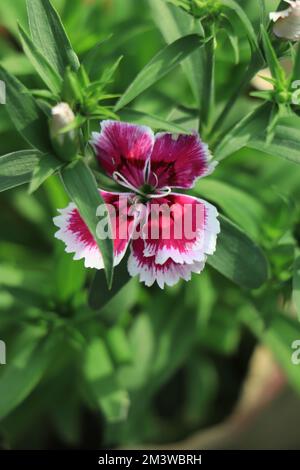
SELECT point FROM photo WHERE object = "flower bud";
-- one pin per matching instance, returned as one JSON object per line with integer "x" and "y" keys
{"x": 65, "y": 143}
{"x": 259, "y": 83}
{"x": 287, "y": 22}
{"x": 199, "y": 8}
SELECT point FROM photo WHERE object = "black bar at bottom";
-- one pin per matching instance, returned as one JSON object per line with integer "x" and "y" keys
{"x": 132, "y": 459}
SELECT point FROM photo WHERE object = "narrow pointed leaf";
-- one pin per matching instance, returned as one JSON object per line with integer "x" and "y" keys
{"x": 16, "y": 168}
{"x": 272, "y": 60}
{"x": 241, "y": 207}
{"x": 40, "y": 63}
{"x": 27, "y": 117}
{"x": 94, "y": 55}
{"x": 49, "y": 35}
{"x": 240, "y": 135}
{"x": 46, "y": 166}
{"x": 241, "y": 14}
{"x": 101, "y": 378}
{"x": 173, "y": 24}
{"x": 155, "y": 122}
{"x": 161, "y": 64}
{"x": 238, "y": 258}
{"x": 285, "y": 142}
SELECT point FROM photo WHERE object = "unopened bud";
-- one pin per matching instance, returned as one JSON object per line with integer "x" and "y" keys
{"x": 199, "y": 8}
{"x": 62, "y": 116}
{"x": 65, "y": 143}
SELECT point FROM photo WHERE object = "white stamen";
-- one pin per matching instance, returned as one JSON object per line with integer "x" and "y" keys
{"x": 163, "y": 192}
{"x": 156, "y": 179}
{"x": 147, "y": 170}
{"x": 122, "y": 181}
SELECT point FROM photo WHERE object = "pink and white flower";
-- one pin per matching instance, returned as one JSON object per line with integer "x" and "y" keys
{"x": 170, "y": 234}
{"x": 287, "y": 22}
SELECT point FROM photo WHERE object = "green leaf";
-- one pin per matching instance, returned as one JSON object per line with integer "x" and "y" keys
{"x": 253, "y": 125}
{"x": 69, "y": 277}
{"x": 94, "y": 55}
{"x": 263, "y": 95}
{"x": 16, "y": 168}
{"x": 168, "y": 354}
{"x": 296, "y": 69}
{"x": 109, "y": 72}
{"x": 101, "y": 378}
{"x": 40, "y": 63}
{"x": 296, "y": 285}
{"x": 157, "y": 354}
{"x": 49, "y": 36}
{"x": 99, "y": 294}
{"x": 28, "y": 118}
{"x": 256, "y": 64}
{"x": 82, "y": 189}
{"x": 285, "y": 142}
{"x": 72, "y": 88}
{"x": 240, "y": 206}
{"x": 22, "y": 374}
{"x": 238, "y": 258}
{"x": 45, "y": 167}
{"x": 173, "y": 24}
{"x": 222, "y": 333}
{"x": 251, "y": 34}
{"x": 263, "y": 13}
{"x": 155, "y": 122}
{"x": 208, "y": 90}
{"x": 232, "y": 36}
{"x": 45, "y": 94}
{"x": 272, "y": 59}
{"x": 118, "y": 345}
{"x": 161, "y": 64}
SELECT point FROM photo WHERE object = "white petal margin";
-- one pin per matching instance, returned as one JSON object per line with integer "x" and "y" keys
{"x": 287, "y": 22}
{"x": 164, "y": 275}
{"x": 197, "y": 251}
{"x": 90, "y": 253}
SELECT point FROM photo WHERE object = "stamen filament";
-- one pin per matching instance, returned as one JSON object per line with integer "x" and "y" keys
{"x": 122, "y": 181}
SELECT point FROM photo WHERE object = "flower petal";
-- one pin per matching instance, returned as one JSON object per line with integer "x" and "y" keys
{"x": 124, "y": 148}
{"x": 75, "y": 234}
{"x": 176, "y": 238}
{"x": 148, "y": 271}
{"x": 178, "y": 161}
{"x": 181, "y": 228}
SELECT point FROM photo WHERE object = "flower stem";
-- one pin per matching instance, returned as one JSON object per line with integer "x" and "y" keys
{"x": 208, "y": 90}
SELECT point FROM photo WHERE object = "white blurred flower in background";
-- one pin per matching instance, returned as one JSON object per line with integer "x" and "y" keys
{"x": 287, "y": 22}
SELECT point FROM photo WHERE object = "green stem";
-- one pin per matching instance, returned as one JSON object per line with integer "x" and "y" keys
{"x": 208, "y": 90}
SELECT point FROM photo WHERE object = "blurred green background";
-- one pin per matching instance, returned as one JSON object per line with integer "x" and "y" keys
{"x": 152, "y": 367}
